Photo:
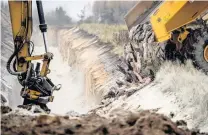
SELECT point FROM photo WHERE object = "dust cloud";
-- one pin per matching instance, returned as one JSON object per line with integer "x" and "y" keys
{"x": 71, "y": 97}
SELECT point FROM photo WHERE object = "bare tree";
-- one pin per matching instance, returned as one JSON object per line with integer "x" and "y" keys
{"x": 82, "y": 14}
{"x": 111, "y": 11}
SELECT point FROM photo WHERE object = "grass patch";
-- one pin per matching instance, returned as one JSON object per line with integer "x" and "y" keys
{"x": 105, "y": 33}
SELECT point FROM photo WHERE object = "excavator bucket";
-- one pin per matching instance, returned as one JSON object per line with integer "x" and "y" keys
{"x": 140, "y": 13}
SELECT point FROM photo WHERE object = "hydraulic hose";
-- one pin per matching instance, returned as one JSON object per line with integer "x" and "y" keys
{"x": 9, "y": 63}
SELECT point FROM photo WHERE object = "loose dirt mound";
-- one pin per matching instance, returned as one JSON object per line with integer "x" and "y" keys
{"x": 144, "y": 123}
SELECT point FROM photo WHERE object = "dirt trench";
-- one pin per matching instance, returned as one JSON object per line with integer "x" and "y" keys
{"x": 95, "y": 59}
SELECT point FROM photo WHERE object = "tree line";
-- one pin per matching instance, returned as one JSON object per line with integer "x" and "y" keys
{"x": 108, "y": 12}
{"x": 58, "y": 16}
{"x": 111, "y": 12}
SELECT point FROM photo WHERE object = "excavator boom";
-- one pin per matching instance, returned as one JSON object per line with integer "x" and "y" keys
{"x": 37, "y": 87}
{"x": 21, "y": 21}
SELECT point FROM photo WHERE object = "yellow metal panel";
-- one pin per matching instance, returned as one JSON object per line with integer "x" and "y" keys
{"x": 132, "y": 16}
{"x": 37, "y": 57}
{"x": 44, "y": 70}
{"x": 33, "y": 92}
{"x": 15, "y": 15}
{"x": 171, "y": 15}
{"x": 20, "y": 12}
{"x": 182, "y": 36}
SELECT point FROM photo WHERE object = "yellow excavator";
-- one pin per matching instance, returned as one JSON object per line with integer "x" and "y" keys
{"x": 179, "y": 26}
{"x": 37, "y": 87}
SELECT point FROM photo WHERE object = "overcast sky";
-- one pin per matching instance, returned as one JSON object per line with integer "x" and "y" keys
{"x": 71, "y": 7}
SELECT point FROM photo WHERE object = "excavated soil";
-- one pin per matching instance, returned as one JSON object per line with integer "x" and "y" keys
{"x": 141, "y": 123}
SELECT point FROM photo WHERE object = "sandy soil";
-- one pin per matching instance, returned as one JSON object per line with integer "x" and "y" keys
{"x": 177, "y": 89}
{"x": 141, "y": 123}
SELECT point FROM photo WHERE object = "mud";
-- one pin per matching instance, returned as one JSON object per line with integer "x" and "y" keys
{"x": 5, "y": 109}
{"x": 140, "y": 123}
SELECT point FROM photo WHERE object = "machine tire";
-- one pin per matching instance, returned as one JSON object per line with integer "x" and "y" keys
{"x": 198, "y": 52}
{"x": 143, "y": 41}
{"x": 152, "y": 54}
